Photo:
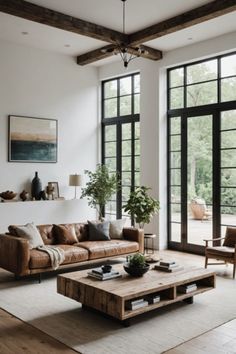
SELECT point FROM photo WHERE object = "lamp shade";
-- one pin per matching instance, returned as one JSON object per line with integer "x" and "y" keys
{"x": 75, "y": 180}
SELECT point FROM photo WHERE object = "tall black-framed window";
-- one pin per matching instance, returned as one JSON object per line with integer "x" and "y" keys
{"x": 121, "y": 136}
{"x": 201, "y": 151}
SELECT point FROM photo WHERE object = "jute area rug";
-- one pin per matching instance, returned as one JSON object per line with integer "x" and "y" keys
{"x": 90, "y": 333}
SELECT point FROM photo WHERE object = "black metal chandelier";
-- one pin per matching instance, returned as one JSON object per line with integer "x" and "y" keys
{"x": 126, "y": 52}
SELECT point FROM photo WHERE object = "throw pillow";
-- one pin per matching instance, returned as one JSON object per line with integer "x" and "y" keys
{"x": 99, "y": 231}
{"x": 65, "y": 234}
{"x": 30, "y": 233}
{"x": 116, "y": 228}
{"x": 230, "y": 237}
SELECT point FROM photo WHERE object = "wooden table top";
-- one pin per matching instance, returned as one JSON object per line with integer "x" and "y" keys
{"x": 126, "y": 285}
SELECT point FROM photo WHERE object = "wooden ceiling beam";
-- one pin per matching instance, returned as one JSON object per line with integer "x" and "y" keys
{"x": 107, "y": 51}
{"x": 148, "y": 52}
{"x": 193, "y": 17}
{"x": 94, "y": 55}
{"x": 36, "y": 13}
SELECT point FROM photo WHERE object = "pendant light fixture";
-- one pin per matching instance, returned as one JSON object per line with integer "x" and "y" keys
{"x": 126, "y": 52}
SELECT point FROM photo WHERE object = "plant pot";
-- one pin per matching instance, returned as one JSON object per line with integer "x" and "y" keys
{"x": 136, "y": 271}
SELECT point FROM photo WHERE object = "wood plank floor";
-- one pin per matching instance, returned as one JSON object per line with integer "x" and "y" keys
{"x": 217, "y": 341}
{"x": 17, "y": 337}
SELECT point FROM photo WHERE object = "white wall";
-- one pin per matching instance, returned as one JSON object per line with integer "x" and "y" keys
{"x": 38, "y": 83}
{"x": 153, "y": 115}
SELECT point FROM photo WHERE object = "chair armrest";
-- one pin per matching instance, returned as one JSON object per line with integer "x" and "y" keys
{"x": 213, "y": 239}
{"x": 14, "y": 254}
{"x": 134, "y": 234}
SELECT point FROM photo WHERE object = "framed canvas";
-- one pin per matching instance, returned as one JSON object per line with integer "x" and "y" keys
{"x": 32, "y": 139}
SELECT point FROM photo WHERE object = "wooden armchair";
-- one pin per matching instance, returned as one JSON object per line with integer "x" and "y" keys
{"x": 226, "y": 252}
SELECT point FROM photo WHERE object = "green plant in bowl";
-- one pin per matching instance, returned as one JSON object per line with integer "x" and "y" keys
{"x": 137, "y": 260}
{"x": 136, "y": 265}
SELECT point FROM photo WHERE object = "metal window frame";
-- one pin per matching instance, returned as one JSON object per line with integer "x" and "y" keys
{"x": 118, "y": 121}
{"x": 184, "y": 113}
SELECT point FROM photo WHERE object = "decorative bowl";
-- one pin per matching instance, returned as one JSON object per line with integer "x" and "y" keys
{"x": 8, "y": 195}
{"x": 106, "y": 268}
{"x": 136, "y": 271}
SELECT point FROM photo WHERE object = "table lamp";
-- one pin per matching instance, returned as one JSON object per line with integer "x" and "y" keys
{"x": 75, "y": 181}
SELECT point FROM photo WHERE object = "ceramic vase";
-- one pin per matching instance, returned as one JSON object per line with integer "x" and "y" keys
{"x": 36, "y": 187}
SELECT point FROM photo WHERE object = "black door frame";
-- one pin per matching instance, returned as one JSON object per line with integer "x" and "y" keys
{"x": 214, "y": 110}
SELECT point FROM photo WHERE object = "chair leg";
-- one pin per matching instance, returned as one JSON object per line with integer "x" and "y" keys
{"x": 234, "y": 270}
{"x": 206, "y": 261}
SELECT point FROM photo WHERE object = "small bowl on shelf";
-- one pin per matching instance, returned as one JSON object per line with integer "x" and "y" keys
{"x": 8, "y": 195}
{"x": 135, "y": 271}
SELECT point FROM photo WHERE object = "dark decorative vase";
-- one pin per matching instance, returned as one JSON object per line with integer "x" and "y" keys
{"x": 36, "y": 187}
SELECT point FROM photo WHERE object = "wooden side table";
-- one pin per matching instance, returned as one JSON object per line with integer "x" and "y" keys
{"x": 149, "y": 238}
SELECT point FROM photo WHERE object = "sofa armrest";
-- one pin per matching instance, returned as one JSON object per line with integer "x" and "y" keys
{"x": 134, "y": 234}
{"x": 14, "y": 254}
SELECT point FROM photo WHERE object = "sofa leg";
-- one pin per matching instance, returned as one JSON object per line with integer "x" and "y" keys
{"x": 39, "y": 278}
{"x": 17, "y": 277}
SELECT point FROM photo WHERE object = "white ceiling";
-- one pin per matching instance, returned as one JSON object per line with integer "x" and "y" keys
{"x": 108, "y": 13}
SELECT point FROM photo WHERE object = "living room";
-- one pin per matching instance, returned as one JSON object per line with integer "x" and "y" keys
{"x": 41, "y": 79}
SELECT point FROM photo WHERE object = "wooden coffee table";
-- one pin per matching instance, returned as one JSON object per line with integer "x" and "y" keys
{"x": 111, "y": 297}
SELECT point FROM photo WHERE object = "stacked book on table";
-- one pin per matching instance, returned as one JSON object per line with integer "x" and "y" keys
{"x": 142, "y": 302}
{"x": 99, "y": 274}
{"x": 170, "y": 266}
{"x": 186, "y": 289}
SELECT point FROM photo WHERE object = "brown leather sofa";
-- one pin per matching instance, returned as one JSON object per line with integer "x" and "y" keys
{"x": 18, "y": 258}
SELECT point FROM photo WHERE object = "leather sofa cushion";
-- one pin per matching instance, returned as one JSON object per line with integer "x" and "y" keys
{"x": 65, "y": 234}
{"x": 47, "y": 234}
{"x": 81, "y": 230}
{"x": 100, "y": 249}
{"x": 230, "y": 237}
{"x": 221, "y": 251}
{"x": 73, "y": 254}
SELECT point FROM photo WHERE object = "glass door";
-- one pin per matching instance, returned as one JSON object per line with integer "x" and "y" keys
{"x": 199, "y": 180}
{"x": 191, "y": 170}
{"x": 228, "y": 169}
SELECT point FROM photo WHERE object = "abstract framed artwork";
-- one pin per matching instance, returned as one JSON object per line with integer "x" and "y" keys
{"x": 32, "y": 139}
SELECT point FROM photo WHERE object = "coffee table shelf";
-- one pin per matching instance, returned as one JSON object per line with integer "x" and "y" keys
{"x": 112, "y": 297}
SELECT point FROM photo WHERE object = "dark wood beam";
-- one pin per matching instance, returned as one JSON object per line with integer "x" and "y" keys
{"x": 187, "y": 19}
{"x": 95, "y": 55}
{"x": 107, "y": 51}
{"x": 149, "y": 53}
{"x": 32, "y": 12}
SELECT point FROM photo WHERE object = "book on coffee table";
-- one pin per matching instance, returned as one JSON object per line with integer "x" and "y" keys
{"x": 168, "y": 263}
{"x": 168, "y": 269}
{"x": 101, "y": 272}
{"x": 104, "y": 276}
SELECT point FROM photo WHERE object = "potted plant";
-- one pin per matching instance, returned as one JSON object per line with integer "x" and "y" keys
{"x": 141, "y": 206}
{"x": 100, "y": 187}
{"x": 136, "y": 265}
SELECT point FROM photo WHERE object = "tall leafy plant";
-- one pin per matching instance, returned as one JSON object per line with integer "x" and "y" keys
{"x": 100, "y": 187}
{"x": 141, "y": 206}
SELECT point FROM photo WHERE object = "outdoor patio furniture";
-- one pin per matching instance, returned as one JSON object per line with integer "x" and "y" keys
{"x": 199, "y": 209}
{"x": 226, "y": 252}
